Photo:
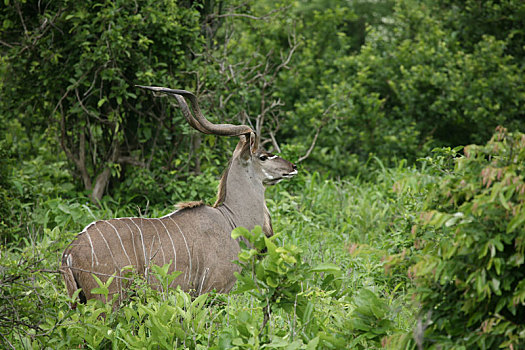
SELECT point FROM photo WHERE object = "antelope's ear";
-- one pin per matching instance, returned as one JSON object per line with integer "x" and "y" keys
{"x": 254, "y": 142}
{"x": 247, "y": 145}
{"x": 243, "y": 147}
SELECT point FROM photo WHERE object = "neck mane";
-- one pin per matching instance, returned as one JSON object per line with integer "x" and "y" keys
{"x": 221, "y": 192}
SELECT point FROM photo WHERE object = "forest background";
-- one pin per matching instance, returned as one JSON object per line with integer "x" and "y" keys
{"x": 393, "y": 235}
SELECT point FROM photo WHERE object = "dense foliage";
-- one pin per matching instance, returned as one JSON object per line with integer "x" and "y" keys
{"x": 72, "y": 73}
{"x": 472, "y": 282}
{"x": 392, "y": 236}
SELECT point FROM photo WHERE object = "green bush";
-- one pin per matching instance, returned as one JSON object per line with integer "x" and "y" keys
{"x": 323, "y": 311}
{"x": 470, "y": 275}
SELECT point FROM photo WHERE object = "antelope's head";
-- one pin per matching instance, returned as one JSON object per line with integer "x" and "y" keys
{"x": 267, "y": 168}
{"x": 271, "y": 168}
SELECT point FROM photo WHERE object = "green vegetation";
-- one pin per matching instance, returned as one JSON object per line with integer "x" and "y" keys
{"x": 405, "y": 228}
{"x": 472, "y": 282}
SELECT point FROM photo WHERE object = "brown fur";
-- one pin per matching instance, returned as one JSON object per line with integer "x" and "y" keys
{"x": 189, "y": 205}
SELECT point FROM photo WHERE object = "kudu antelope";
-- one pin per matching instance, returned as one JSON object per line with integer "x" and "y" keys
{"x": 196, "y": 237}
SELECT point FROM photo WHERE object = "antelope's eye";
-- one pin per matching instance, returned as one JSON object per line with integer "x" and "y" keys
{"x": 263, "y": 158}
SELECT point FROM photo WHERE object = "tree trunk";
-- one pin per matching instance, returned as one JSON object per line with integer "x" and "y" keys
{"x": 100, "y": 185}
{"x": 102, "y": 179}
{"x": 196, "y": 145}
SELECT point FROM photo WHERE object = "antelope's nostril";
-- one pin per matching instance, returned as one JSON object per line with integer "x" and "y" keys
{"x": 294, "y": 167}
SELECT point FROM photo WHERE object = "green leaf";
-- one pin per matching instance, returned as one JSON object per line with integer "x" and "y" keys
{"x": 271, "y": 282}
{"x": 503, "y": 201}
{"x": 270, "y": 246}
{"x": 328, "y": 268}
{"x": 312, "y": 344}
{"x": 240, "y": 232}
{"x": 517, "y": 221}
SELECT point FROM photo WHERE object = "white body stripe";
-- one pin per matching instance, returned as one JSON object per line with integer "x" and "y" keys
{"x": 170, "y": 214}
{"x": 142, "y": 240}
{"x": 109, "y": 248}
{"x": 173, "y": 246}
{"x": 132, "y": 241}
{"x": 121, "y": 243}
{"x": 87, "y": 227}
{"x": 93, "y": 261}
{"x": 203, "y": 278}
{"x": 186, "y": 243}
{"x": 160, "y": 242}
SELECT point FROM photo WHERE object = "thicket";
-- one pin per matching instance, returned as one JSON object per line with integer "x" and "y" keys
{"x": 470, "y": 278}
{"x": 357, "y": 88}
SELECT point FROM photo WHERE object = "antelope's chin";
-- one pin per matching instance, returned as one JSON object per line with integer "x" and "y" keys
{"x": 271, "y": 182}
{"x": 289, "y": 175}
{"x": 276, "y": 180}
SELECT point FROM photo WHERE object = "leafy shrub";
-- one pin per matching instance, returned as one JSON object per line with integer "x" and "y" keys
{"x": 470, "y": 276}
{"x": 323, "y": 312}
{"x": 9, "y": 204}
{"x": 28, "y": 289}
{"x": 278, "y": 279}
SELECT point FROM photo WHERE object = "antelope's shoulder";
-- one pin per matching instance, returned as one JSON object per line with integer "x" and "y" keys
{"x": 201, "y": 217}
{"x": 90, "y": 226}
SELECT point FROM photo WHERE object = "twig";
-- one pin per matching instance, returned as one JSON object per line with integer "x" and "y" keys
{"x": 88, "y": 112}
{"x": 312, "y": 145}
{"x": 100, "y": 273}
{"x": 274, "y": 142}
{"x": 7, "y": 341}
{"x": 238, "y": 15}
{"x": 264, "y": 17}
{"x": 17, "y": 5}
{"x": 148, "y": 163}
{"x": 6, "y": 44}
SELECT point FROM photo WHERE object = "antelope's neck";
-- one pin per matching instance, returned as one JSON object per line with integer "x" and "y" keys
{"x": 245, "y": 196}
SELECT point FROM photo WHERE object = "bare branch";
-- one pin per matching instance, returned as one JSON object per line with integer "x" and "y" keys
{"x": 312, "y": 145}
{"x": 310, "y": 149}
{"x": 103, "y": 177}
{"x": 100, "y": 273}
{"x": 157, "y": 131}
{"x": 274, "y": 142}
{"x": 80, "y": 161}
{"x": 244, "y": 15}
{"x": 6, "y": 44}
{"x": 239, "y": 15}
{"x": 88, "y": 112}
{"x": 293, "y": 46}
{"x": 17, "y": 5}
